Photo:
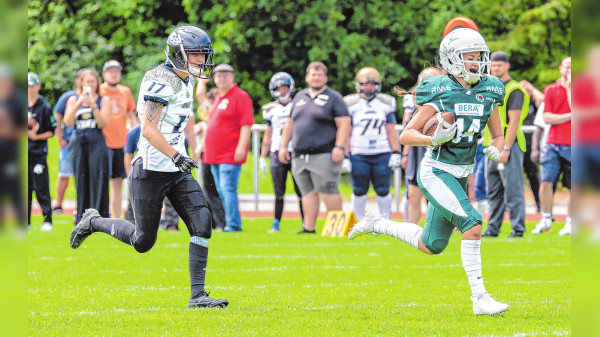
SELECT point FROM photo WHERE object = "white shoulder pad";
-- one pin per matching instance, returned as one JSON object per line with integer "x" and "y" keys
{"x": 386, "y": 99}
{"x": 350, "y": 100}
{"x": 157, "y": 88}
{"x": 266, "y": 110}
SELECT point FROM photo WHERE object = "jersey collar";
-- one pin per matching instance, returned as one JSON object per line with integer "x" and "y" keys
{"x": 187, "y": 79}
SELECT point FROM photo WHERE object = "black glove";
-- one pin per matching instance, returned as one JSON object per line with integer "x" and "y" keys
{"x": 183, "y": 163}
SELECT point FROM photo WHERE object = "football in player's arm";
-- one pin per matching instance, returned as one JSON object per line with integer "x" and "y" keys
{"x": 472, "y": 96}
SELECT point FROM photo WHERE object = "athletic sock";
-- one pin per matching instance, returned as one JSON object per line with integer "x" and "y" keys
{"x": 547, "y": 216}
{"x": 197, "y": 264}
{"x": 359, "y": 202}
{"x": 278, "y": 206}
{"x": 385, "y": 205}
{"x": 405, "y": 231}
{"x": 120, "y": 229}
{"x": 470, "y": 253}
{"x": 568, "y": 221}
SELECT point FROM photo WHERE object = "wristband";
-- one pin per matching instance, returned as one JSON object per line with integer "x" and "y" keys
{"x": 340, "y": 147}
{"x": 398, "y": 152}
{"x": 507, "y": 149}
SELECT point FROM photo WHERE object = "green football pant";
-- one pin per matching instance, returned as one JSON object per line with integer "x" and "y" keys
{"x": 449, "y": 207}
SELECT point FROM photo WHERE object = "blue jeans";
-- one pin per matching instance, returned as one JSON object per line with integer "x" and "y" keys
{"x": 227, "y": 177}
{"x": 479, "y": 171}
{"x": 556, "y": 159}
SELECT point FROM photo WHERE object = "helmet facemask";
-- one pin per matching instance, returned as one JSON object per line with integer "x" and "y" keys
{"x": 280, "y": 80}
{"x": 367, "y": 75}
{"x": 198, "y": 70}
{"x": 453, "y": 48}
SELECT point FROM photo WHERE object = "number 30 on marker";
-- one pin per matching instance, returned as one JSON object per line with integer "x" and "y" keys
{"x": 338, "y": 223}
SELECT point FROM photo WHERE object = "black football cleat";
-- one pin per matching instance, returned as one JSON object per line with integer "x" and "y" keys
{"x": 83, "y": 228}
{"x": 205, "y": 301}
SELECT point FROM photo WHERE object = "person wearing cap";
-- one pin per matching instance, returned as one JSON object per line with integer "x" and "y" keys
{"x": 115, "y": 132}
{"x": 41, "y": 125}
{"x": 504, "y": 178}
{"x": 226, "y": 141}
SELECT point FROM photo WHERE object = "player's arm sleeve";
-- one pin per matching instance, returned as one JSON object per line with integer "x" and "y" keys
{"x": 156, "y": 90}
{"x": 245, "y": 105}
{"x": 424, "y": 96}
{"x": 339, "y": 107}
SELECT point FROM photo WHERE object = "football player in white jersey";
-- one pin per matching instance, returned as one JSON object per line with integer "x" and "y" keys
{"x": 276, "y": 114}
{"x": 162, "y": 167}
{"x": 374, "y": 146}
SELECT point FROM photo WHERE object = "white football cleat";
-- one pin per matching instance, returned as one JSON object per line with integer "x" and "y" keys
{"x": 542, "y": 227}
{"x": 46, "y": 227}
{"x": 366, "y": 224}
{"x": 484, "y": 304}
{"x": 565, "y": 230}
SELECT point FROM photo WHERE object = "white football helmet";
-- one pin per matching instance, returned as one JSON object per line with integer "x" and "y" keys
{"x": 458, "y": 42}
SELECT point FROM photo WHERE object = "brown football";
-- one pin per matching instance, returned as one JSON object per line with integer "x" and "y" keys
{"x": 431, "y": 125}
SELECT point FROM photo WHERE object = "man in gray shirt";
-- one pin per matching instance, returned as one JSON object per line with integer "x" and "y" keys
{"x": 319, "y": 128}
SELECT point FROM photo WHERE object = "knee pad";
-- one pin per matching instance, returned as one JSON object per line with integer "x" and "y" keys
{"x": 381, "y": 191}
{"x": 201, "y": 223}
{"x": 437, "y": 246}
{"x": 472, "y": 219}
{"x": 360, "y": 189}
{"x": 144, "y": 242}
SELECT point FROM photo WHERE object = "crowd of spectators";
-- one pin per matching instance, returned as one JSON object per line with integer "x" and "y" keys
{"x": 97, "y": 129}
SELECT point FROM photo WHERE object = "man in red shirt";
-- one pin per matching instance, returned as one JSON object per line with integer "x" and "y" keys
{"x": 556, "y": 155}
{"x": 226, "y": 140}
{"x": 115, "y": 132}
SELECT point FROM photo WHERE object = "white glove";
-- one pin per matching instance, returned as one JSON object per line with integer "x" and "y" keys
{"x": 38, "y": 169}
{"x": 263, "y": 165}
{"x": 441, "y": 135}
{"x": 492, "y": 153}
{"x": 395, "y": 161}
{"x": 346, "y": 165}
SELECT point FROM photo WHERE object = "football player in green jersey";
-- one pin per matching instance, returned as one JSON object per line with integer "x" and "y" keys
{"x": 472, "y": 95}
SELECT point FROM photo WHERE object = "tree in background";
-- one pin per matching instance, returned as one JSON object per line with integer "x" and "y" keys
{"x": 261, "y": 37}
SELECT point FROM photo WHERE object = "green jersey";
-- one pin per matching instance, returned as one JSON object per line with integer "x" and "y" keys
{"x": 471, "y": 108}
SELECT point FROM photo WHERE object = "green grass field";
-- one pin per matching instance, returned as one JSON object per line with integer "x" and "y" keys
{"x": 291, "y": 285}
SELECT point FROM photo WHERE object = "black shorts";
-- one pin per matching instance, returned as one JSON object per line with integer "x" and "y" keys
{"x": 116, "y": 163}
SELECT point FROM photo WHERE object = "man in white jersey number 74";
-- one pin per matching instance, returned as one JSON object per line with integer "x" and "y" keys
{"x": 162, "y": 167}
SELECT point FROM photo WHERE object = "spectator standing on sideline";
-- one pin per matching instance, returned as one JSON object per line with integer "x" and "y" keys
{"x": 276, "y": 115}
{"x": 41, "y": 125}
{"x": 63, "y": 135}
{"x": 412, "y": 155}
{"x": 319, "y": 128}
{"x": 531, "y": 167}
{"x": 12, "y": 127}
{"x": 89, "y": 112}
{"x": 115, "y": 132}
{"x": 215, "y": 203}
{"x": 227, "y": 138}
{"x": 556, "y": 154}
{"x": 504, "y": 178}
{"x": 374, "y": 145}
